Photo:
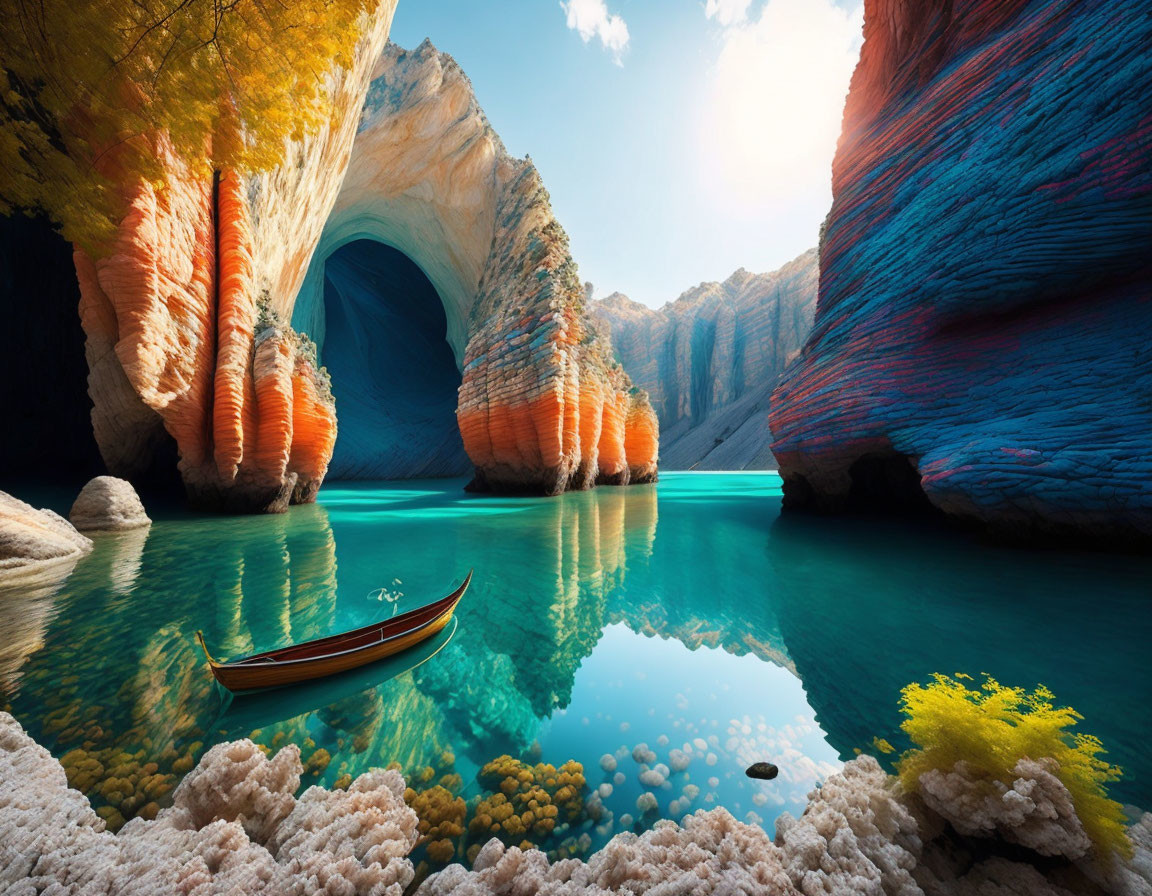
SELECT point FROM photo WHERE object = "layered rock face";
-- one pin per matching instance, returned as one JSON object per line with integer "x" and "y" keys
{"x": 542, "y": 407}
{"x": 186, "y": 316}
{"x": 980, "y": 337}
{"x": 710, "y": 359}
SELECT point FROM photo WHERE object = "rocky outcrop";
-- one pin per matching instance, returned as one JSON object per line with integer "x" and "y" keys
{"x": 187, "y": 315}
{"x": 108, "y": 504}
{"x": 710, "y": 359}
{"x": 542, "y": 407}
{"x": 980, "y": 337}
{"x": 235, "y": 826}
{"x": 32, "y": 539}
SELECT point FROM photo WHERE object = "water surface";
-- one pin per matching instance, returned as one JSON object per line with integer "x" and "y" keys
{"x": 664, "y": 636}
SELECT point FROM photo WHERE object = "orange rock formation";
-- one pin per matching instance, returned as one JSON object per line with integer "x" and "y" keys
{"x": 188, "y": 342}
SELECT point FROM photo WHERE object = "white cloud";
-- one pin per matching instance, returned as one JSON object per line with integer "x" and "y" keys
{"x": 727, "y": 12}
{"x": 590, "y": 18}
{"x": 775, "y": 103}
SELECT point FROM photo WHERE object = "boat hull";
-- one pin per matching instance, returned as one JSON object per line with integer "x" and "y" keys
{"x": 336, "y": 653}
{"x": 240, "y": 679}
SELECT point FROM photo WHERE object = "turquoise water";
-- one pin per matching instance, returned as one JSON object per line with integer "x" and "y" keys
{"x": 664, "y": 636}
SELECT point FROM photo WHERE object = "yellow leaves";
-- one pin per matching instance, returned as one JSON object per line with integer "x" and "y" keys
{"x": 86, "y": 87}
{"x": 994, "y": 726}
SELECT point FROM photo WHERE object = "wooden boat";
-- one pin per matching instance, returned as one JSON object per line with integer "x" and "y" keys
{"x": 239, "y": 713}
{"x": 336, "y": 653}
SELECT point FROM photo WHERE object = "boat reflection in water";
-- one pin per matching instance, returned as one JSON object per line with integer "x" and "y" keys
{"x": 584, "y": 633}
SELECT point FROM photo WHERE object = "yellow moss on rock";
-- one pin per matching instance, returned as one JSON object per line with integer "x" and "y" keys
{"x": 989, "y": 730}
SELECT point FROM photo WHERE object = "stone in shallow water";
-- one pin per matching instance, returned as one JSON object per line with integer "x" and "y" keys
{"x": 108, "y": 504}
{"x": 29, "y": 537}
{"x": 765, "y": 771}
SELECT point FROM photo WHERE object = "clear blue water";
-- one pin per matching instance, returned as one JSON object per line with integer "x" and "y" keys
{"x": 687, "y": 624}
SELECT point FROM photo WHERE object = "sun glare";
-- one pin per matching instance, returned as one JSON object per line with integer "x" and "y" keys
{"x": 775, "y": 100}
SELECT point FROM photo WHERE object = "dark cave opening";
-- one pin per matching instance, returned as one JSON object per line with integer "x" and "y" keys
{"x": 43, "y": 373}
{"x": 393, "y": 373}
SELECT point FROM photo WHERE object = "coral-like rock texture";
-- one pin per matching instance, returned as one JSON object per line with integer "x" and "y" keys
{"x": 108, "y": 504}
{"x": 184, "y": 316}
{"x": 235, "y": 826}
{"x": 542, "y": 407}
{"x": 710, "y": 360}
{"x": 985, "y": 280}
{"x": 406, "y": 202}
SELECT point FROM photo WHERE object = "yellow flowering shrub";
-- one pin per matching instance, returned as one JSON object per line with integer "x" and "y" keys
{"x": 992, "y": 726}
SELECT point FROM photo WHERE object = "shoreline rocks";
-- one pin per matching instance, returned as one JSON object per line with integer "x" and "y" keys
{"x": 108, "y": 504}
{"x": 31, "y": 539}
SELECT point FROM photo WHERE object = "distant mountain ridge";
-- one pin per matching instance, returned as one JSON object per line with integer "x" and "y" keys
{"x": 710, "y": 359}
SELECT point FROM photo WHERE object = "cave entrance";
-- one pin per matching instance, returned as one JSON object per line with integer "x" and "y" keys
{"x": 394, "y": 375}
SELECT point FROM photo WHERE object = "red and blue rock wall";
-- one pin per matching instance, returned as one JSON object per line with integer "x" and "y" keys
{"x": 982, "y": 334}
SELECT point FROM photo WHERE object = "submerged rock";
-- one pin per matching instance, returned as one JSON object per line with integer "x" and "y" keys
{"x": 31, "y": 538}
{"x": 765, "y": 771}
{"x": 980, "y": 341}
{"x": 108, "y": 504}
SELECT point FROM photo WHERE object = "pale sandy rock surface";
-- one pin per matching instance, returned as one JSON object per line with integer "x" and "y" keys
{"x": 108, "y": 504}
{"x": 236, "y": 827}
{"x": 30, "y": 537}
{"x": 710, "y": 359}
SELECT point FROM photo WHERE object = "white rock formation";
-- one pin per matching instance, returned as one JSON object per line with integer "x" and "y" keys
{"x": 1036, "y": 811}
{"x": 235, "y": 827}
{"x": 859, "y": 836}
{"x": 711, "y": 854}
{"x": 31, "y": 538}
{"x": 108, "y": 504}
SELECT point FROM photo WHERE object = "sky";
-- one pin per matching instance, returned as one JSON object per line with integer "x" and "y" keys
{"x": 679, "y": 139}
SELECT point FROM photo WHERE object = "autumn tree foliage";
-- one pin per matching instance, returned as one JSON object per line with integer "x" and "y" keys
{"x": 228, "y": 82}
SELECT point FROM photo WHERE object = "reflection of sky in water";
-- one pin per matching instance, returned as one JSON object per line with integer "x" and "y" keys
{"x": 682, "y": 611}
{"x": 695, "y": 718}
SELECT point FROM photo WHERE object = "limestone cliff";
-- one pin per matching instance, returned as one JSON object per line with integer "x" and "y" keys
{"x": 184, "y": 317}
{"x": 982, "y": 326}
{"x": 407, "y": 202}
{"x": 710, "y": 359}
{"x": 541, "y": 406}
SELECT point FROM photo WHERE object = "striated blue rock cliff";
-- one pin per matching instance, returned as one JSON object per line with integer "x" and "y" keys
{"x": 981, "y": 340}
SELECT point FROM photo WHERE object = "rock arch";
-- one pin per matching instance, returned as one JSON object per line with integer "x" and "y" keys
{"x": 187, "y": 317}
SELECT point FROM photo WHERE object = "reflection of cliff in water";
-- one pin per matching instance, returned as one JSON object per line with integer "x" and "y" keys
{"x": 867, "y": 606}
{"x": 550, "y": 576}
